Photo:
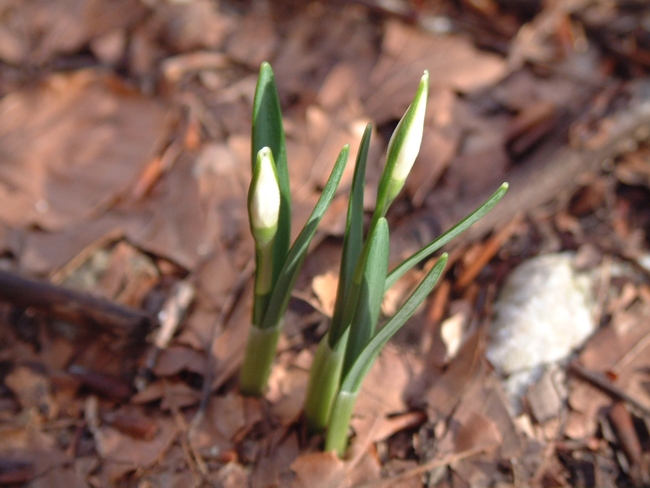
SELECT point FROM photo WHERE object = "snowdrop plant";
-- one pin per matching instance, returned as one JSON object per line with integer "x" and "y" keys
{"x": 358, "y": 302}
{"x": 353, "y": 342}
{"x": 269, "y": 209}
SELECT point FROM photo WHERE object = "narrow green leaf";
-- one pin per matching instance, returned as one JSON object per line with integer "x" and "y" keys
{"x": 289, "y": 272}
{"x": 268, "y": 131}
{"x": 352, "y": 240}
{"x": 371, "y": 293}
{"x": 337, "y": 432}
{"x": 351, "y": 382}
{"x": 452, "y": 233}
{"x": 326, "y": 369}
{"x": 324, "y": 376}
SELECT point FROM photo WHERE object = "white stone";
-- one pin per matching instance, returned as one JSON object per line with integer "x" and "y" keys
{"x": 543, "y": 313}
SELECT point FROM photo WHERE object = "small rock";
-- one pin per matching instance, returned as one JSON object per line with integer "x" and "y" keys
{"x": 543, "y": 313}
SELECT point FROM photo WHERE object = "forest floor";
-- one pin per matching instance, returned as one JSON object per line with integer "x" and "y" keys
{"x": 124, "y": 171}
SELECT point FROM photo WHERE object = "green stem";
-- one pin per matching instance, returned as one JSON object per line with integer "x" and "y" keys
{"x": 337, "y": 433}
{"x": 263, "y": 281}
{"x": 324, "y": 378}
{"x": 258, "y": 360}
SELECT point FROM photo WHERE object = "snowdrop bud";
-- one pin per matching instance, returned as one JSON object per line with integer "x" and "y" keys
{"x": 264, "y": 199}
{"x": 404, "y": 144}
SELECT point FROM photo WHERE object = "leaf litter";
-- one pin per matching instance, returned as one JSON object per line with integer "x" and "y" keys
{"x": 124, "y": 147}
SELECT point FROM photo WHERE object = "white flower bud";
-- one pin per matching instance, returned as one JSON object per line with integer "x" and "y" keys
{"x": 264, "y": 198}
{"x": 405, "y": 142}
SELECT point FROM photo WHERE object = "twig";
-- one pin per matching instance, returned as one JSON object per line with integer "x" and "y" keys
{"x": 633, "y": 353}
{"x": 607, "y": 386}
{"x": 72, "y": 306}
{"x": 156, "y": 168}
{"x": 490, "y": 249}
{"x": 554, "y": 170}
{"x": 401, "y": 11}
{"x": 170, "y": 317}
{"x": 623, "y": 424}
{"x": 195, "y": 461}
{"x": 58, "y": 276}
{"x": 224, "y": 315}
{"x": 428, "y": 466}
{"x": 602, "y": 288}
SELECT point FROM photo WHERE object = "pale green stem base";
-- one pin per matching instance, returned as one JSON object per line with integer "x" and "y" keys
{"x": 263, "y": 280}
{"x": 337, "y": 432}
{"x": 324, "y": 378}
{"x": 258, "y": 360}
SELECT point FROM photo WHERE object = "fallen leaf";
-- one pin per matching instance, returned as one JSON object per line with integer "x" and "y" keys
{"x": 452, "y": 332}
{"x": 325, "y": 287}
{"x": 33, "y": 390}
{"x": 319, "y": 470}
{"x": 287, "y": 388}
{"x": 445, "y": 393}
{"x": 406, "y": 52}
{"x": 71, "y": 146}
{"x": 170, "y": 222}
{"x": 187, "y": 26}
{"x": 391, "y": 368}
{"x": 274, "y": 468}
{"x": 122, "y": 453}
{"x": 175, "y": 359}
{"x": 38, "y": 460}
{"x": 253, "y": 50}
{"x": 34, "y": 31}
{"x": 60, "y": 476}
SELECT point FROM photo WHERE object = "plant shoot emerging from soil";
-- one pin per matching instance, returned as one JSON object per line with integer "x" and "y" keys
{"x": 353, "y": 342}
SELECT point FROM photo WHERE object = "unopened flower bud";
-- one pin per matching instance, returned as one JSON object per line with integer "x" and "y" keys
{"x": 264, "y": 199}
{"x": 405, "y": 142}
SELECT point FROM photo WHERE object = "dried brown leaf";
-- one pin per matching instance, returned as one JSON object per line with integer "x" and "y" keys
{"x": 34, "y": 31}
{"x": 324, "y": 287}
{"x": 185, "y": 26}
{"x": 175, "y": 359}
{"x": 71, "y": 146}
{"x": 319, "y": 470}
{"x": 122, "y": 453}
{"x": 445, "y": 393}
{"x": 252, "y": 50}
{"x": 406, "y": 52}
{"x": 287, "y": 388}
{"x": 33, "y": 391}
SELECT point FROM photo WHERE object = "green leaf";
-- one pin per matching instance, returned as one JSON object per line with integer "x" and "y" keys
{"x": 371, "y": 292}
{"x": 337, "y": 432}
{"x": 324, "y": 377}
{"x": 351, "y": 382}
{"x": 289, "y": 272}
{"x": 452, "y": 233}
{"x": 268, "y": 131}
{"x": 352, "y": 240}
{"x": 326, "y": 368}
